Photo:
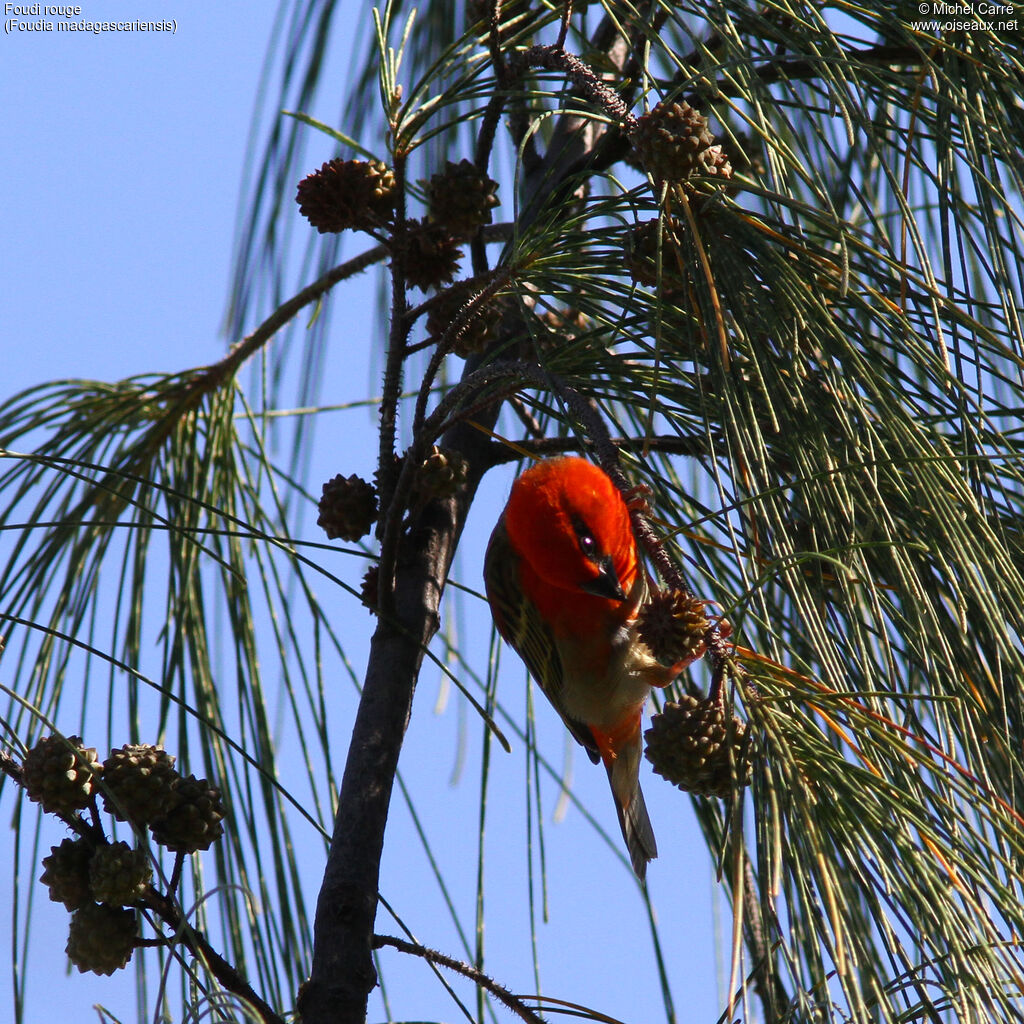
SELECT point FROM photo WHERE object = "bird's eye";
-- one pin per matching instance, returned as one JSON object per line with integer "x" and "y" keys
{"x": 589, "y": 547}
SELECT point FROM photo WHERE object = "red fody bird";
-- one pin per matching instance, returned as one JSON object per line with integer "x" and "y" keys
{"x": 565, "y": 583}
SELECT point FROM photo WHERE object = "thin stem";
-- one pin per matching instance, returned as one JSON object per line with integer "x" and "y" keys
{"x": 767, "y": 985}
{"x": 800, "y": 69}
{"x": 175, "y": 879}
{"x": 542, "y": 447}
{"x": 252, "y": 343}
{"x": 399, "y": 332}
{"x": 458, "y": 325}
{"x": 441, "y": 419}
{"x": 563, "y": 29}
{"x": 196, "y": 943}
{"x": 507, "y": 999}
{"x": 555, "y": 58}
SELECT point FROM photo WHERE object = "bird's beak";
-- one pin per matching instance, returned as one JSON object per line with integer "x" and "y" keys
{"x": 606, "y": 583}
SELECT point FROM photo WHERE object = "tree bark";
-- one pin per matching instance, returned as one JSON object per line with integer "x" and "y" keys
{"x": 343, "y": 975}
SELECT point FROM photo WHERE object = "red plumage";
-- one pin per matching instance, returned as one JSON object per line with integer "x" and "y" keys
{"x": 565, "y": 583}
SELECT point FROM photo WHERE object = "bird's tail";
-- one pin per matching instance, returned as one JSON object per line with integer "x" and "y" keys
{"x": 623, "y": 769}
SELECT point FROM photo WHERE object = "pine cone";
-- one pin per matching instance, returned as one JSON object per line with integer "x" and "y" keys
{"x": 348, "y": 507}
{"x": 461, "y": 198}
{"x": 101, "y": 938}
{"x": 119, "y": 875}
{"x": 673, "y": 625}
{"x": 432, "y": 255}
{"x": 690, "y": 744}
{"x": 443, "y": 472}
{"x": 66, "y": 873}
{"x": 137, "y": 782}
{"x": 640, "y": 253}
{"x": 59, "y": 774}
{"x": 745, "y": 153}
{"x": 478, "y": 331}
{"x": 194, "y": 820}
{"x": 673, "y": 142}
{"x": 368, "y": 588}
{"x": 357, "y": 194}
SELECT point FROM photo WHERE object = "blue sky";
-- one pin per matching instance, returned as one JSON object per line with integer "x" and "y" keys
{"x": 120, "y": 170}
{"x": 120, "y": 165}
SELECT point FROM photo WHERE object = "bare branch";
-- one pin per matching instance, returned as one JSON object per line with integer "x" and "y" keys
{"x": 515, "y": 1004}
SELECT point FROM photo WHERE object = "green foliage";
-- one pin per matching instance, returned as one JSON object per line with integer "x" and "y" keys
{"x": 821, "y": 386}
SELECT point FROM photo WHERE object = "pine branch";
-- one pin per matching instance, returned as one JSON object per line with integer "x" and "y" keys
{"x": 197, "y": 944}
{"x": 513, "y": 1003}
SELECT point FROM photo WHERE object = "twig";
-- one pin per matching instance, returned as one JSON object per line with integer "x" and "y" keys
{"x": 196, "y": 943}
{"x": 801, "y": 69}
{"x": 615, "y": 145}
{"x": 503, "y": 995}
{"x": 252, "y": 343}
{"x": 395, "y": 362}
{"x": 543, "y": 447}
{"x": 506, "y": 76}
{"x": 766, "y": 982}
{"x": 175, "y": 879}
{"x": 209, "y": 377}
{"x": 441, "y": 419}
{"x": 529, "y": 421}
{"x": 10, "y": 767}
{"x": 455, "y": 329}
{"x": 582, "y": 75}
{"x": 494, "y": 43}
{"x": 563, "y": 29}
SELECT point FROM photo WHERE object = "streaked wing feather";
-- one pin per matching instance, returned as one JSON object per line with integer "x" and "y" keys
{"x": 522, "y": 626}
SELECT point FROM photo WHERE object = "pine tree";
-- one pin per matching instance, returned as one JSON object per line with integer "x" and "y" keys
{"x": 762, "y": 261}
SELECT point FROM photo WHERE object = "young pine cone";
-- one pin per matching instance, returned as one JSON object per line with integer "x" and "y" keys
{"x": 642, "y": 245}
{"x": 480, "y": 327}
{"x": 442, "y": 474}
{"x": 194, "y": 821}
{"x": 673, "y": 625}
{"x": 348, "y": 507}
{"x": 59, "y": 774}
{"x": 138, "y": 782}
{"x": 432, "y": 255}
{"x": 461, "y": 198}
{"x": 673, "y": 142}
{"x": 119, "y": 875}
{"x": 694, "y": 746}
{"x": 347, "y": 194}
{"x": 101, "y": 938}
{"x": 368, "y": 589}
{"x": 66, "y": 873}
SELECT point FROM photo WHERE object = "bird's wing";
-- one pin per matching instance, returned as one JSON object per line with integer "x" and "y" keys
{"x": 522, "y": 626}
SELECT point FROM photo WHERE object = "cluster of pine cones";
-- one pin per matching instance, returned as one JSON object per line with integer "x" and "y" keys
{"x": 695, "y": 744}
{"x": 100, "y": 882}
{"x": 361, "y": 195}
{"x": 348, "y": 504}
